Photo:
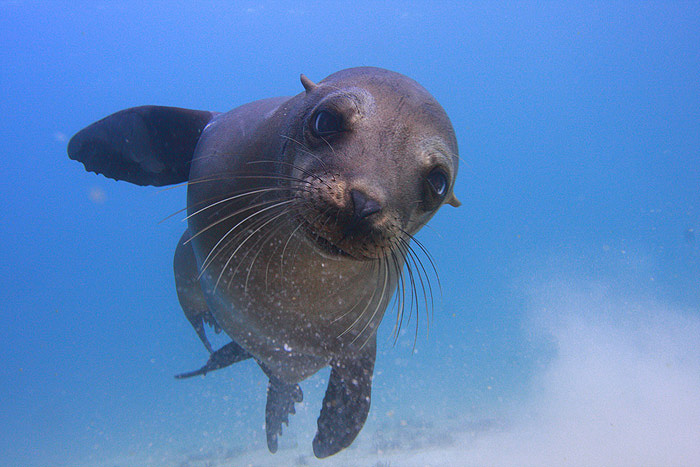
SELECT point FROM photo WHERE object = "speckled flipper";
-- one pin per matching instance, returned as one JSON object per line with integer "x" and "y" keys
{"x": 189, "y": 291}
{"x": 346, "y": 403}
{"x": 281, "y": 397}
{"x": 227, "y": 355}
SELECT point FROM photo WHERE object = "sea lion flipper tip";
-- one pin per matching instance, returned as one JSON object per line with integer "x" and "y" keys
{"x": 190, "y": 374}
{"x": 346, "y": 404}
{"x": 225, "y": 356}
{"x": 281, "y": 398}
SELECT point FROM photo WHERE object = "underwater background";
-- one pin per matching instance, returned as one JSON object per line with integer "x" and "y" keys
{"x": 568, "y": 328}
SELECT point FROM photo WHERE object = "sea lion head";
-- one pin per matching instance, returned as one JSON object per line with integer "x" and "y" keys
{"x": 375, "y": 156}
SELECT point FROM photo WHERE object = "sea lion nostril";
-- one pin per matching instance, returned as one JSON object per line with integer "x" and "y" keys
{"x": 363, "y": 206}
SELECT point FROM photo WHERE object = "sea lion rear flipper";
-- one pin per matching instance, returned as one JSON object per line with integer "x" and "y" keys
{"x": 148, "y": 145}
{"x": 227, "y": 355}
{"x": 346, "y": 403}
{"x": 281, "y": 397}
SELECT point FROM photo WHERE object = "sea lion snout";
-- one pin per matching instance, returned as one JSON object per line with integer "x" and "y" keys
{"x": 363, "y": 206}
{"x": 350, "y": 216}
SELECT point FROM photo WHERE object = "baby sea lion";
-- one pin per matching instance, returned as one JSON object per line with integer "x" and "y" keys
{"x": 301, "y": 212}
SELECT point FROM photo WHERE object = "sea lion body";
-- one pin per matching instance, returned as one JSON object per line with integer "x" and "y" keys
{"x": 300, "y": 215}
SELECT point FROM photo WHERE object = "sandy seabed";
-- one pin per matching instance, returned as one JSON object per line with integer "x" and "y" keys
{"x": 622, "y": 389}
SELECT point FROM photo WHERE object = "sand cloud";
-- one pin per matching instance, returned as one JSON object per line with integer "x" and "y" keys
{"x": 623, "y": 389}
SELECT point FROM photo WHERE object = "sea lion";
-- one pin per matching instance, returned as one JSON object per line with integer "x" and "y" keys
{"x": 301, "y": 212}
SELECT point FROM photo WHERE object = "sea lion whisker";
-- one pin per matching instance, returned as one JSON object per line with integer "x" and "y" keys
{"x": 359, "y": 316}
{"x": 343, "y": 313}
{"x": 376, "y": 309}
{"x": 428, "y": 312}
{"x": 186, "y": 208}
{"x": 391, "y": 260}
{"x": 404, "y": 248}
{"x": 411, "y": 254}
{"x": 323, "y": 226}
{"x": 399, "y": 312}
{"x": 404, "y": 286}
{"x": 418, "y": 262}
{"x": 398, "y": 249}
{"x": 300, "y": 169}
{"x": 254, "y": 200}
{"x": 287, "y": 223}
{"x": 308, "y": 151}
{"x": 230, "y": 176}
{"x": 231, "y": 243}
{"x": 227, "y": 176}
{"x": 262, "y": 243}
{"x": 291, "y": 235}
{"x": 202, "y": 157}
{"x": 409, "y": 259}
{"x": 414, "y": 297}
{"x": 229, "y": 216}
{"x": 242, "y": 193}
{"x": 251, "y": 228}
{"x": 382, "y": 266}
{"x": 236, "y": 196}
{"x": 187, "y": 183}
{"x": 362, "y": 313}
{"x": 242, "y": 232}
{"x": 329, "y": 145}
{"x": 434, "y": 230}
{"x": 400, "y": 291}
{"x": 231, "y": 155}
{"x": 427, "y": 255}
{"x": 240, "y": 245}
{"x": 206, "y": 261}
{"x": 377, "y": 270}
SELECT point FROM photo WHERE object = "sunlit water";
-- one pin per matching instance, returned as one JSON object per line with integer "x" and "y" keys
{"x": 567, "y": 330}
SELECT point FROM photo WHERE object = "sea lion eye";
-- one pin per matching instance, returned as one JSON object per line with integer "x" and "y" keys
{"x": 437, "y": 180}
{"x": 326, "y": 123}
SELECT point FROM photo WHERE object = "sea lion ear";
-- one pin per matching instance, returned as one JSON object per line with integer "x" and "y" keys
{"x": 454, "y": 202}
{"x": 307, "y": 83}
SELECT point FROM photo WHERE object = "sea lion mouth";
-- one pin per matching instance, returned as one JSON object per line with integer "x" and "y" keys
{"x": 329, "y": 247}
{"x": 326, "y": 247}
{"x": 343, "y": 223}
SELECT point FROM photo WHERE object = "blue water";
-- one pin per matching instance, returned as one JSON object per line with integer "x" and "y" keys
{"x": 567, "y": 331}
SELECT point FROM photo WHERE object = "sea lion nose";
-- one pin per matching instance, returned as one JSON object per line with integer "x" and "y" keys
{"x": 363, "y": 205}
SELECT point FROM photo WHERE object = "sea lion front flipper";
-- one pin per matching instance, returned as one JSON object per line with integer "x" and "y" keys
{"x": 281, "y": 397}
{"x": 227, "y": 355}
{"x": 346, "y": 403}
{"x": 148, "y": 145}
{"x": 189, "y": 290}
